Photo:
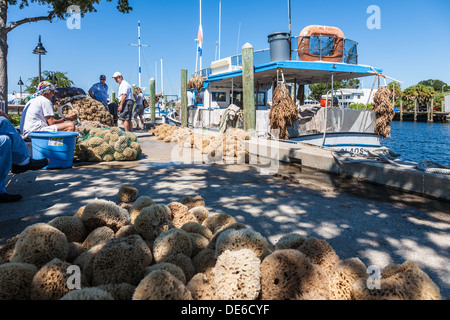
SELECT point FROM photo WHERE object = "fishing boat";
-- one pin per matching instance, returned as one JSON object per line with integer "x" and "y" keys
{"x": 322, "y": 54}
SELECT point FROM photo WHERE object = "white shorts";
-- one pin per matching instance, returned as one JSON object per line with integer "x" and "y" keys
{"x": 52, "y": 128}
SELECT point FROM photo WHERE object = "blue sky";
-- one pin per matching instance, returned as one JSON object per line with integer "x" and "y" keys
{"x": 412, "y": 45}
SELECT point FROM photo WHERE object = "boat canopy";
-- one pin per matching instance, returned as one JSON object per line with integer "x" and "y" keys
{"x": 300, "y": 72}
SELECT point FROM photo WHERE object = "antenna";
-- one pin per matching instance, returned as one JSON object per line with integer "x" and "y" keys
{"x": 239, "y": 34}
{"x": 220, "y": 21}
{"x": 139, "y": 45}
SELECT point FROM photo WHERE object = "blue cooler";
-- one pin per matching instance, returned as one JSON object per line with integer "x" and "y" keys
{"x": 59, "y": 147}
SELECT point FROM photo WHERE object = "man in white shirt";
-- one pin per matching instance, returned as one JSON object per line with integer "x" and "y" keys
{"x": 125, "y": 96}
{"x": 38, "y": 113}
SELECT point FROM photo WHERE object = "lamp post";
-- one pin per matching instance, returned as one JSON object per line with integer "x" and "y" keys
{"x": 39, "y": 50}
{"x": 20, "y": 84}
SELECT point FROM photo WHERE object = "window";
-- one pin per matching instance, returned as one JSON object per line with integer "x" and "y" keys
{"x": 219, "y": 96}
{"x": 260, "y": 99}
{"x": 199, "y": 98}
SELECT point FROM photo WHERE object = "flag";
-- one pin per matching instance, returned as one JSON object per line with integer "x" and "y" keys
{"x": 200, "y": 39}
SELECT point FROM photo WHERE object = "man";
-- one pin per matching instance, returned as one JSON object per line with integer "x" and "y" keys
{"x": 14, "y": 155}
{"x": 99, "y": 91}
{"x": 38, "y": 113}
{"x": 125, "y": 96}
{"x": 138, "y": 113}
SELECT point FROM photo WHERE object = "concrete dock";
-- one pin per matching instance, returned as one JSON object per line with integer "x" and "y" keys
{"x": 378, "y": 224}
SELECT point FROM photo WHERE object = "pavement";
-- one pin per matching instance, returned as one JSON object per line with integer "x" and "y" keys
{"x": 379, "y": 225}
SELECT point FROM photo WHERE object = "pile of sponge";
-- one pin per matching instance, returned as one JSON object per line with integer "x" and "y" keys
{"x": 135, "y": 248}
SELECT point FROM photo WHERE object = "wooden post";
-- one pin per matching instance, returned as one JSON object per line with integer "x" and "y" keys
{"x": 248, "y": 84}
{"x": 152, "y": 100}
{"x": 401, "y": 109}
{"x": 415, "y": 110}
{"x": 432, "y": 110}
{"x": 183, "y": 111}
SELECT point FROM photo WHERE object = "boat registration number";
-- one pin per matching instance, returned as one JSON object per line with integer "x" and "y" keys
{"x": 354, "y": 150}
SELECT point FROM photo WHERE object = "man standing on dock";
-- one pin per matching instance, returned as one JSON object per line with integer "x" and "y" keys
{"x": 125, "y": 96}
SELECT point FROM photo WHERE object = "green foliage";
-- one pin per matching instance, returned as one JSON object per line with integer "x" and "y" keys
{"x": 62, "y": 81}
{"x": 420, "y": 92}
{"x": 58, "y": 8}
{"x": 438, "y": 85}
{"x": 361, "y": 106}
{"x": 14, "y": 119}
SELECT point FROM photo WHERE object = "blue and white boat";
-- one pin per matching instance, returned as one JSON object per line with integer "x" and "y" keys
{"x": 325, "y": 58}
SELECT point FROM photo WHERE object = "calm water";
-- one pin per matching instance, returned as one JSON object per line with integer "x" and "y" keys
{"x": 418, "y": 141}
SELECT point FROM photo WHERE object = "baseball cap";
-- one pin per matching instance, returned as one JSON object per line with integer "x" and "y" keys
{"x": 102, "y": 77}
{"x": 117, "y": 74}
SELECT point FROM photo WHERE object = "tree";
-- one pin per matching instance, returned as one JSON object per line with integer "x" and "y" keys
{"x": 62, "y": 81}
{"x": 57, "y": 10}
{"x": 438, "y": 85}
{"x": 423, "y": 94}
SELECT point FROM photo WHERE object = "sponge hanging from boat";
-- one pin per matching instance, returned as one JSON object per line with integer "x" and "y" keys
{"x": 283, "y": 112}
{"x": 384, "y": 110}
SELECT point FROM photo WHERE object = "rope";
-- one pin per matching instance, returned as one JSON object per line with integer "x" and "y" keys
{"x": 386, "y": 155}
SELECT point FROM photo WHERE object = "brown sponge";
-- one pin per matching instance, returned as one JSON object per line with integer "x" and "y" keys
{"x": 173, "y": 269}
{"x": 217, "y": 220}
{"x": 138, "y": 205}
{"x": 161, "y": 285}
{"x": 320, "y": 253}
{"x": 290, "y": 241}
{"x": 346, "y": 273}
{"x": 127, "y": 193}
{"x": 39, "y": 244}
{"x": 171, "y": 242}
{"x": 15, "y": 280}
{"x": 192, "y": 202}
{"x": 121, "y": 260}
{"x": 151, "y": 222}
{"x": 71, "y": 226}
{"x": 201, "y": 288}
{"x": 99, "y": 213}
{"x": 242, "y": 239}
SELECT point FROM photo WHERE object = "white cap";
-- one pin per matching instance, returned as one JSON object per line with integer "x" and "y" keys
{"x": 117, "y": 74}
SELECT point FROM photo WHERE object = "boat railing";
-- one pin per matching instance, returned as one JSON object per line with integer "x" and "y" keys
{"x": 321, "y": 47}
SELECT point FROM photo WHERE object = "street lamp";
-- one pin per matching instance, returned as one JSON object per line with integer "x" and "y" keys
{"x": 39, "y": 50}
{"x": 20, "y": 84}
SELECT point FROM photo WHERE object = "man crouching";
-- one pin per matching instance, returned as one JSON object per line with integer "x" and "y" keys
{"x": 38, "y": 113}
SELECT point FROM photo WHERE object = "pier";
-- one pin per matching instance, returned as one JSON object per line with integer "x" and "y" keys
{"x": 443, "y": 117}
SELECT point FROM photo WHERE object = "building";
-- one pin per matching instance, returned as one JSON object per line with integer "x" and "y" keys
{"x": 447, "y": 103}
{"x": 346, "y": 96}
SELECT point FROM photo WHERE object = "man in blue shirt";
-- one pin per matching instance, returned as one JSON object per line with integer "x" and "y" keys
{"x": 99, "y": 91}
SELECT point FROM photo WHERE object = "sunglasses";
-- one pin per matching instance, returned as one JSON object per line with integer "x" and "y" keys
{"x": 103, "y": 79}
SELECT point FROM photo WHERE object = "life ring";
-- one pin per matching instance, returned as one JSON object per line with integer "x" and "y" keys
{"x": 334, "y": 55}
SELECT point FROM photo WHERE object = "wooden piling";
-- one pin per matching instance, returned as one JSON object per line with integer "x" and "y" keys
{"x": 152, "y": 100}
{"x": 183, "y": 110}
{"x": 248, "y": 84}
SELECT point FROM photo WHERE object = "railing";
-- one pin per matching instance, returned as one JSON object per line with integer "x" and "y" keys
{"x": 321, "y": 47}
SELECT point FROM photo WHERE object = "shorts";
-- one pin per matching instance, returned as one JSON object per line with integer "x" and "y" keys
{"x": 138, "y": 110}
{"x": 52, "y": 128}
{"x": 127, "y": 111}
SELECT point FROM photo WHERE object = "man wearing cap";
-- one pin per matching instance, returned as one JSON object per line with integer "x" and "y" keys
{"x": 125, "y": 96}
{"x": 99, "y": 91}
{"x": 38, "y": 113}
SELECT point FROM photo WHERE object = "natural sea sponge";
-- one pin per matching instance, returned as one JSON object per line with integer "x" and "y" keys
{"x": 138, "y": 205}
{"x": 192, "y": 202}
{"x": 321, "y": 253}
{"x": 71, "y": 226}
{"x": 161, "y": 285}
{"x": 119, "y": 291}
{"x": 180, "y": 214}
{"x": 200, "y": 287}
{"x": 346, "y": 273}
{"x": 151, "y": 222}
{"x": 205, "y": 261}
{"x": 125, "y": 231}
{"x": 15, "y": 280}
{"x": 242, "y": 239}
{"x": 173, "y": 269}
{"x": 290, "y": 241}
{"x": 99, "y": 213}
{"x": 127, "y": 193}
{"x": 50, "y": 282}
{"x": 199, "y": 243}
{"x": 39, "y": 244}
{"x": 398, "y": 282}
{"x": 171, "y": 242}
{"x": 98, "y": 235}
{"x": 289, "y": 274}
{"x": 200, "y": 213}
{"x": 236, "y": 275}
{"x": 184, "y": 262}
{"x": 75, "y": 249}
{"x": 195, "y": 227}
{"x": 121, "y": 260}
{"x": 88, "y": 294}
{"x": 86, "y": 260}
{"x": 217, "y": 220}
{"x": 219, "y": 230}
{"x": 7, "y": 250}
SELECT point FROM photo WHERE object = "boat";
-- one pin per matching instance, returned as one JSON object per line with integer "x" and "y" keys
{"x": 322, "y": 54}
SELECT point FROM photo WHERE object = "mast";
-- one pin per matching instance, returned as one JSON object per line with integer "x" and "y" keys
{"x": 139, "y": 45}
